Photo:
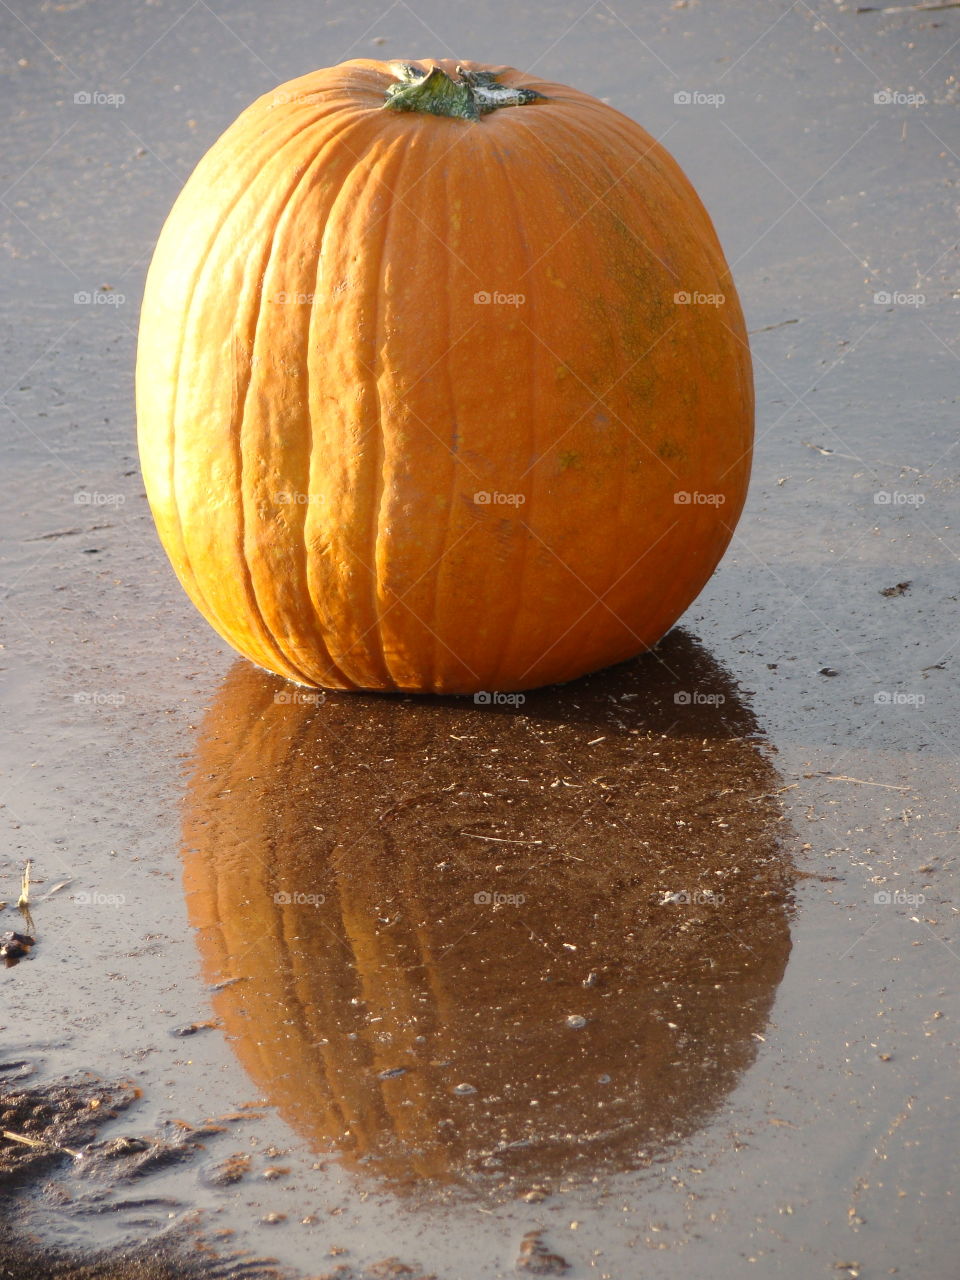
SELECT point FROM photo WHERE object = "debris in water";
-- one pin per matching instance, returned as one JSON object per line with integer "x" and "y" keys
{"x": 191, "y": 1028}
{"x": 576, "y": 1021}
{"x": 537, "y": 1259}
{"x": 14, "y": 946}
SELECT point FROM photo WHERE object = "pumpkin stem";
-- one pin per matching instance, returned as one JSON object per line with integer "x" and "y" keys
{"x": 476, "y": 93}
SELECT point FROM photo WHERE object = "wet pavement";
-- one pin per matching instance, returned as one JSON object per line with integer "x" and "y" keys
{"x": 654, "y": 974}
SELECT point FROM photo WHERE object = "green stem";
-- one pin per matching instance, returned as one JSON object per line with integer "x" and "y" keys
{"x": 475, "y": 94}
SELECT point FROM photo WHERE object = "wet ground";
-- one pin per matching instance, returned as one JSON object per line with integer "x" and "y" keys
{"x": 614, "y": 982}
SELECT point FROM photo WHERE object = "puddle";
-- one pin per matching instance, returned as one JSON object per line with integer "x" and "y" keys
{"x": 468, "y": 945}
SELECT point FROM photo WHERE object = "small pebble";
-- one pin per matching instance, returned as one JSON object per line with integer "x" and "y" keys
{"x": 576, "y": 1021}
{"x": 464, "y": 1088}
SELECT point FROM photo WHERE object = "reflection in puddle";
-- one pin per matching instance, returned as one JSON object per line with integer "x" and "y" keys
{"x": 491, "y": 945}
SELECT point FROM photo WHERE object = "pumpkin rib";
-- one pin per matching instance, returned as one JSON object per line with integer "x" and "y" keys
{"x": 321, "y": 624}
{"x": 300, "y": 546}
{"x": 178, "y": 368}
{"x": 445, "y": 326}
{"x": 379, "y": 346}
{"x": 182, "y": 560}
{"x": 268, "y": 640}
{"x": 526, "y": 542}
{"x": 344, "y": 138}
{"x": 339, "y": 665}
{"x": 307, "y": 619}
{"x": 227, "y": 213}
{"x": 250, "y": 589}
{"x": 365, "y": 476}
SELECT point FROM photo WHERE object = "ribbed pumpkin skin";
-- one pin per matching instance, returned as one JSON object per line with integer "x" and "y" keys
{"x": 320, "y": 398}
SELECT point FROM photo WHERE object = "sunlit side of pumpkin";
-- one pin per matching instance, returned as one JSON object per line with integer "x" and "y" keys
{"x": 428, "y": 402}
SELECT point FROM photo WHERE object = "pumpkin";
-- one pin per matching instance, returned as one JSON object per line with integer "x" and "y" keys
{"x": 442, "y": 383}
{"x": 334, "y": 852}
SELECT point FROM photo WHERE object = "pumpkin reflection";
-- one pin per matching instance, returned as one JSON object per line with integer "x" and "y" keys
{"x": 491, "y": 942}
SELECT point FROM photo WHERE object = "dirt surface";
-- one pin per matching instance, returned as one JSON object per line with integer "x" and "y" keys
{"x": 652, "y": 975}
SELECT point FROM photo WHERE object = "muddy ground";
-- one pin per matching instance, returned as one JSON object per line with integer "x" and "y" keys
{"x": 611, "y": 983}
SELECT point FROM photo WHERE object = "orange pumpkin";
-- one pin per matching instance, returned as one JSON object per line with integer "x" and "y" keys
{"x": 334, "y": 855}
{"x": 442, "y": 384}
